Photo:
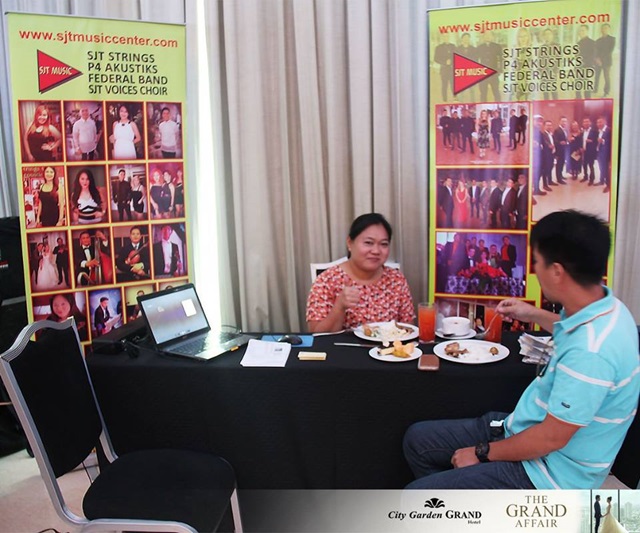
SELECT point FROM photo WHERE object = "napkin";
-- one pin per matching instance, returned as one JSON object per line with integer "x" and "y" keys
{"x": 264, "y": 353}
{"x": 536, "y": 350}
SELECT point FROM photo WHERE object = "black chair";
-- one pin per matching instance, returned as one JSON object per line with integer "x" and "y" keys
{"x": 152, "y": 490}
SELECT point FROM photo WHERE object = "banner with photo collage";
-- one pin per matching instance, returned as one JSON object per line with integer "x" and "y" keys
{"x": 99, "y": 110}
{"x": 524, "y": 121}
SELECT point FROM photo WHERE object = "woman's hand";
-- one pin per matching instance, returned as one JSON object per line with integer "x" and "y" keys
{"x": 349, "y": 297}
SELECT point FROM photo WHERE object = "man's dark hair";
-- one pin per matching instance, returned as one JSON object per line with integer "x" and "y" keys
{"x": 104, "y": 299}
{"x": 578, "y": 241}
{"x": 369, "y": 219}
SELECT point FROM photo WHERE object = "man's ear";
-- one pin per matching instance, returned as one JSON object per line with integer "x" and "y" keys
{"x": 559, "y": 273}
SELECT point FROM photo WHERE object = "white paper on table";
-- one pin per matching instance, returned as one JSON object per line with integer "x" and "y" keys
{"x": 266, "y": 353}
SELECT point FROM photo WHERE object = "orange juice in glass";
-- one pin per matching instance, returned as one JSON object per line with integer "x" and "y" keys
{"x": 426, "y": 322}
{"x": 493, "y": 323}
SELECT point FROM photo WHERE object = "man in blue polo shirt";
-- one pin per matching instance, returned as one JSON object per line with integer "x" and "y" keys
{"x": 569, "y": 424}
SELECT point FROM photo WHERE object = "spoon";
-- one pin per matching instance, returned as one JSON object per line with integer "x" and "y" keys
{"x": 487, "y": 328}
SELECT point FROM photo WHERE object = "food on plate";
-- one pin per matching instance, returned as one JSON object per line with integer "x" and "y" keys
{"x": 493, "y": 350}
{"x": 386, "y": 332}
{"x": 453, "y": 349}
{"x": 399, "y": 350}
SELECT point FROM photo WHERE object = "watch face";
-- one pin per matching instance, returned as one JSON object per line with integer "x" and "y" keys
{"x": 482, "y": 452}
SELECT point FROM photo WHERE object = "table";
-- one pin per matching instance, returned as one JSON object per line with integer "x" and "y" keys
{"x": 328, "y": 424}
{"x": 334, "y": 424}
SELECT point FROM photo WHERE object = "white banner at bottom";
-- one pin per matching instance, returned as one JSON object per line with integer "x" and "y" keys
{"x": 443, "y": 511}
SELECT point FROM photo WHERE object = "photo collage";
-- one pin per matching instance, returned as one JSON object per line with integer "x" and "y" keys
{"x": 103, "y": 191}
{"x": 504, "y": 160}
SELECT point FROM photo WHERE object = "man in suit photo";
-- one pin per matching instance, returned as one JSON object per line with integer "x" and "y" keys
{"x": 522, "y": 206}
{"x": 508, "y": 205}
{"x": 101, "y": 316}
{"x": 603, "y": 153}
{"x": 495, "y": 202}
{"x": 561, "y": 142}
{"x": 445, "y": 200}
{"x": 88, "y": 262}
{"x": 508, "y": 256}
{"x": 496, "y": 130}
{"x": 485, "y": 194}
{"x": 443, "y": 56}
{"x": 513, "y": 128}
{"x": 521, "y": 133}
{"x": 489, "y": 53}
{"x": 548, "y": 150}
{"x": 467, "y": 127}
{"x": 597, "y": 512}
{"x": 587, "y": 47}
{"x": 166, "y": 255}
{"x": 132, "y": 261}
{"x": 34, "y": 261}
{"x": 474, "y": 195}
{"x": 589, "y": 150}
{"x": 62, "y": 262}
{"x": 445, "y": 124}
{"x": 605, "y": 45}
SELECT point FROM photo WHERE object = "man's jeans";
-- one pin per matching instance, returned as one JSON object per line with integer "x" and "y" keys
{"x": 429, "y": 446}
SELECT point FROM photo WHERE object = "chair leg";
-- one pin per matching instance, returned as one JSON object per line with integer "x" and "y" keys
{"x": 235, "y": 510}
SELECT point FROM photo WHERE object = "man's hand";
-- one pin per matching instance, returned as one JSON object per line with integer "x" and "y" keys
{"x": 516, "y": 309}
{"x": 464, "y": 457}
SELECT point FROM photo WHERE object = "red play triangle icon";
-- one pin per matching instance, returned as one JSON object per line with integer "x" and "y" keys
{"x": 53, "y": 72}
{"x": 467, "y": 72}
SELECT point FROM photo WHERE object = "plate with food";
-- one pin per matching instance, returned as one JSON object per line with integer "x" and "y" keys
{"x": 398, "y": 353}
{"x": 386, "y": 331}
{"x": 469, "y": 335}
{"x": 471, "y": 352}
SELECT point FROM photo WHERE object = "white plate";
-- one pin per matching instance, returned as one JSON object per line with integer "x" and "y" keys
{"x": 478, "y": 352}
{"x": 470, "y": 335}
{"x": 410, "y": 335}
{"x": 375, "y": 353}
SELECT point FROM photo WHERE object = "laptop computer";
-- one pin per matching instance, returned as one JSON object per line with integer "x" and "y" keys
{"x": 178, "y": 325}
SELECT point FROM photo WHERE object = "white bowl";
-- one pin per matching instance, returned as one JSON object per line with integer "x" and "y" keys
{"x": 456, "y": 325}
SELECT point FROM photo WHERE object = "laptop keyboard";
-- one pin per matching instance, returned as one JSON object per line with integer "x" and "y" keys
{"x": 201, "y": 344}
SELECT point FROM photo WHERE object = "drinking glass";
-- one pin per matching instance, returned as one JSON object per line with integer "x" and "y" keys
{"x": 493, "y": 324}
{"x": 427, "y": 321}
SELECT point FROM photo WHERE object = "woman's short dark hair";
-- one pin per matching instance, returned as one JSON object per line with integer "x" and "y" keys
{"x": 578, "y": 241}
{"x": 364, "y": 221}
{"x": 369, "y": 219}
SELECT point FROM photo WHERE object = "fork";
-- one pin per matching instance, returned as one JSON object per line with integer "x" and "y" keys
{"x": 487, "y": 328}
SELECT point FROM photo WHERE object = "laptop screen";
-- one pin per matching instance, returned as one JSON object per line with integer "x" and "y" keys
{"x": 174, "y": 313}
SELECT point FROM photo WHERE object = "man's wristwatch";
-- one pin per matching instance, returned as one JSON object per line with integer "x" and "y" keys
{"x": 482, "y": 452}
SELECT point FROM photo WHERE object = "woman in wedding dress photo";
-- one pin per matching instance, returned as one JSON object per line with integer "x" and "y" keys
{"x": 610, "y": 524}
{"x": 47, "y": 272}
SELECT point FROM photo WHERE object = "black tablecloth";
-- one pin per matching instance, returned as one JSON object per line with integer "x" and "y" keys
{"x": 337, "y": 423}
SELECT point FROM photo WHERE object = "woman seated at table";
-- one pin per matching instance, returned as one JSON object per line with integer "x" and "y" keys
{"x": 360, "y": 290}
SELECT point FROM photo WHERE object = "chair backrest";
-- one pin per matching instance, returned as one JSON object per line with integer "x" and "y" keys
{"x": 49, "y": 386}
{"x": 319, "y": 268}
